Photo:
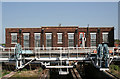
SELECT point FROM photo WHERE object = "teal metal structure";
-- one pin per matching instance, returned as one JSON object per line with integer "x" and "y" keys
{"x": 18, "y": 55}
{"x": 102, "y": 57}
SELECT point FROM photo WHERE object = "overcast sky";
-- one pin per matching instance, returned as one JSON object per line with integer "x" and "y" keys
{"x": 36, "y": 14}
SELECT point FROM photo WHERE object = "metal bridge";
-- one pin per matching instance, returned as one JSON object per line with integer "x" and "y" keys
{"x": 60, "y": 57}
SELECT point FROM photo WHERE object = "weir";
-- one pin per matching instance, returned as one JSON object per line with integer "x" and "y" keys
{"x": 60, "y": 57}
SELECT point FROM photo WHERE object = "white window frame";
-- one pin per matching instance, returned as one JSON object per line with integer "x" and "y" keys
{"x": 68, "y": 39}
{"x": 37, "y": 33}
{"x": 90, "y": 38}
{"x": 51, "y": 39}
{"x": 29, "y": 39}
{"x": 93, "y": 33}
{"x": 11, "y": 38}
{"x": 26, "y": 33}
{"x": 57, "y": 37}
{"x": 70, "y": 33}
{"x": 35, "y": 39}
{"x": 48, "y": 33}
{"x": 102, "y": 36}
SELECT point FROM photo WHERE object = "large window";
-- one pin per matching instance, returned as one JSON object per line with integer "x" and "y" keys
{"x": 93, "y": 39}
{"x": 71, "y": 39}
{"x": 13, "y": 38}
{"x": 59, "y": 38}
{"x": 37, "y": 39}
{"x": 105, "y": 37}
{"x": 48, "y": 39}
{"x": 26, "y": 39}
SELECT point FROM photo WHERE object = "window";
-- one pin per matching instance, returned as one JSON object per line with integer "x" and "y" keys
{"x": 93, "y": 39}
{"x": 48, "y": 39}
{"x": 26, "y": 39}
{"x": 82, "y": 39}
{"x": 59, "y": 38}
{"x": 105, "y": 37}
{"x": 37, "y": 39}
{"x": 13, "y": 38}
{"x": 71, "y": 39}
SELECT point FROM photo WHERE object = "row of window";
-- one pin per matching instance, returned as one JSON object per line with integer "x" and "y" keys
{"x": 37, "y": 37}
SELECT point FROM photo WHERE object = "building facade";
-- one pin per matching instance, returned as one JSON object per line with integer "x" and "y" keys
{"x": 60, "y": 36}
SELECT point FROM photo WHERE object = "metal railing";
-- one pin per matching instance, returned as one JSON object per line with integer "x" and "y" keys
{"x": 8, "y": 52}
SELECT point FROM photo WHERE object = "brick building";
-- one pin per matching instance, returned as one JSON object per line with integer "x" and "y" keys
{"x": 60, "y": 36}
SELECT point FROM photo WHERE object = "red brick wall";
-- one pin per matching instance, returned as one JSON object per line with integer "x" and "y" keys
{"x": 55, "y": 30}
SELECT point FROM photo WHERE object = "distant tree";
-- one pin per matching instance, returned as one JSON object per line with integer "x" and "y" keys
{"x": 2, "y": 45}
{"x": 117, "y": 41}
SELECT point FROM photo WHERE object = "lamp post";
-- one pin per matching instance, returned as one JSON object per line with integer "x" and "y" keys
{"x": 20, "y": 31}
{"x": 87, "y": 36}
{"x": 98, "y": 31}
{"x": 76, "y": 32}
{"x": 42, "y": 38}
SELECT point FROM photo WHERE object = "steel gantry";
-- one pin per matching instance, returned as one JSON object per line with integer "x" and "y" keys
{"x": 62, "y": 57}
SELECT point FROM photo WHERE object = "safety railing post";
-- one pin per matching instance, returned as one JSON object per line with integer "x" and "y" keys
{"x": 16, "y": 64}
{"x": 35, "y": 52}
{"x": 118, "y": 51}
{"x": 9, "y": 52}
{"x": 20, "y": 60}
{"x": 113, "y": 52}
{"x": 69, "y": 51}
{"x": 61, "y": 53}
{"x": 1, "y": 50}
{"x": 87, "y": 51}
{"x": 39, "y": 51}
{"x": 77, "y": 51}
{"x": 61, "y": 57}
{"x": 50, "y": 52}
{"x": 90, "y": 50}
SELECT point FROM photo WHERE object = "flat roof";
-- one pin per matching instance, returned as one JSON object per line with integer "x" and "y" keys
{"x": 60, "y": 26}
{"x": 64, "y": 26}
{"x": 95, "y": 26}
